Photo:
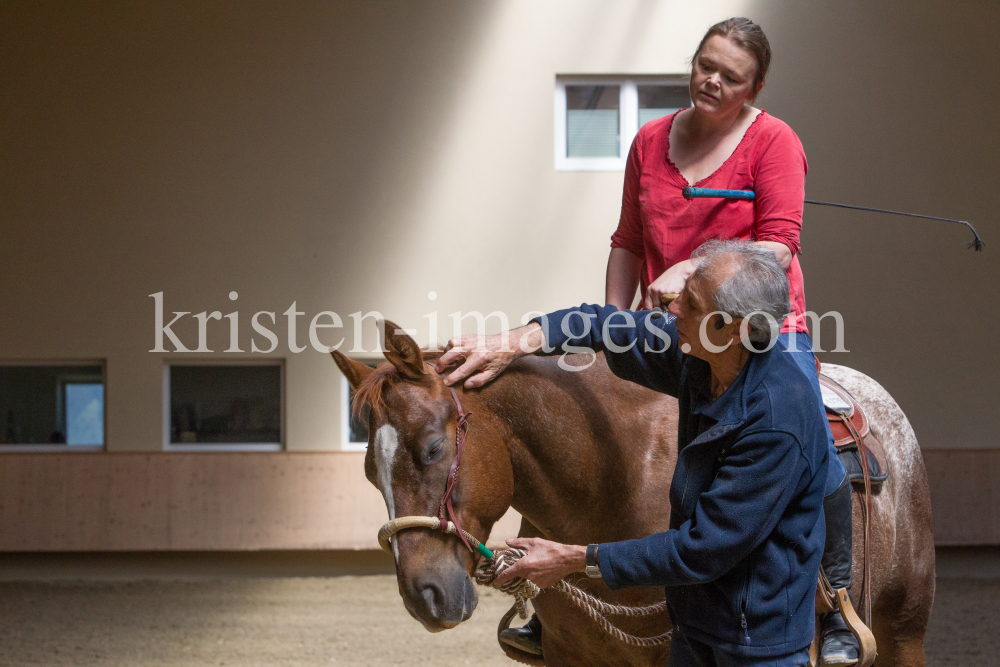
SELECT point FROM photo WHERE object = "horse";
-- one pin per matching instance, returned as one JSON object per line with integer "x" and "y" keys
{"x": 586, "y": 457}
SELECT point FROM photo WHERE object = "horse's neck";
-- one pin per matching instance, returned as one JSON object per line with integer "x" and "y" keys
{"x": 570, "y": 471}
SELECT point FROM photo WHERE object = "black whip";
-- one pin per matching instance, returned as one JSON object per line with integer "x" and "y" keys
{"x": 690, "y": 193}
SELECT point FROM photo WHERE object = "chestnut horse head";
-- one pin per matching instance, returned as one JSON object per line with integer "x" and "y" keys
{"x": 411, "y": 446}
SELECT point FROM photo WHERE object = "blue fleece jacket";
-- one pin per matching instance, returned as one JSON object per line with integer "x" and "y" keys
{"x": 741, "y": 558}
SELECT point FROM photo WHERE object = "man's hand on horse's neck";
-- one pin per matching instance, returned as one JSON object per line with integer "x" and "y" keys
{"x": 485, "y": 357}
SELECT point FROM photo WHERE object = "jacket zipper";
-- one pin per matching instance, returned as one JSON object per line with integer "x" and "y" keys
{"x": 745, "y": 603}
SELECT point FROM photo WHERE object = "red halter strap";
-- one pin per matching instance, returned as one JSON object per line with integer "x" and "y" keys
{"x": 446, "y": 511}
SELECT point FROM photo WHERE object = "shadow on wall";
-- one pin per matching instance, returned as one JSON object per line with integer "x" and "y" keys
{"x": 892, "y": 116}
{"x": 142, "y": 135}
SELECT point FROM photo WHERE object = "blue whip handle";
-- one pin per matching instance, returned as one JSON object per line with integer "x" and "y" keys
{"x": 691, "y": 193}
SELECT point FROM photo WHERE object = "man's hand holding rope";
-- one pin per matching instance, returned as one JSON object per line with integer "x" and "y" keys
{"x": 544, "y": 563}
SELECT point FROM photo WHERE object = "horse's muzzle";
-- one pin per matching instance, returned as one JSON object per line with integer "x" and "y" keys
{"x": 441, "y": 602}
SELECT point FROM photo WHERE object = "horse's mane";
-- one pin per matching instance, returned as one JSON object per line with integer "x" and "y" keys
{"x": 372, "y": 389}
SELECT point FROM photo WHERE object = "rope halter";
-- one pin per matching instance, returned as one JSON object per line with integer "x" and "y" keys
{"x": 387, "y": 531}
{"x": 445, "y": 509}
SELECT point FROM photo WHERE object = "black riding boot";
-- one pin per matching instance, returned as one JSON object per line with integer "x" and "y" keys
{"x": 840, "y": 647}
{"x": 527, "y": 638}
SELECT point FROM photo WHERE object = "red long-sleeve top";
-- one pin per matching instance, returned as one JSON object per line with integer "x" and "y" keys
{"x": 663, "y": 228}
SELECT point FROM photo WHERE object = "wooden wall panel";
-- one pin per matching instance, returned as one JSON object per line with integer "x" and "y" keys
{"x": 965, "y": 495}
{"x": 288, "y": 501}
{"x": 187, "y": 501}
{"x": 139, "y": 503}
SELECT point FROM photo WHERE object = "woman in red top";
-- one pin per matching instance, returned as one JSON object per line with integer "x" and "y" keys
{"x": 724, "y": 142}
{"x": 719, "y": 142}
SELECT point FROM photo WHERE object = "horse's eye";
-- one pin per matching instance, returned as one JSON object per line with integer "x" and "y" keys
{"x": 435, "y": 450}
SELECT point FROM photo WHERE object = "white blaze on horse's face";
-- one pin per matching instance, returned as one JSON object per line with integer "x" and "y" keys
{"x": 386, "y": 444}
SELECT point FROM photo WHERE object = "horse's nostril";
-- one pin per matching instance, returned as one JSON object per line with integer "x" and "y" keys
{"x": 471, "y": 599}
{"x": 442, "y": 603}
{"x": 434, "y": 598}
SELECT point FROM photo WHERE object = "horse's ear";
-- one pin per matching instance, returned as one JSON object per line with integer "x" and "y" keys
{"x": 401, "y": 351}
{"x": 354, "y": 371}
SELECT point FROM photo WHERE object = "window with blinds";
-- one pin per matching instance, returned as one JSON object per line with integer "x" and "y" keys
{"x": 593, "y": 121}
{"x": 596, "y": 118}
{"x": 659, "y": 101}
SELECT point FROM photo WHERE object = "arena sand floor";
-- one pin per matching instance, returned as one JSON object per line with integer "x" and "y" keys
{"x": 329, "y": 621}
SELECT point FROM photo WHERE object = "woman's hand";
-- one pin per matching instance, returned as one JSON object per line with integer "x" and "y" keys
{"x": 485, "y": 357}
{"x": 670, "y": 281}
{"x": 545, "y": 562}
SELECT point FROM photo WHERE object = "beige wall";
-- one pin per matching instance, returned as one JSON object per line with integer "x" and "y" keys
{"x": 356, "y": 155}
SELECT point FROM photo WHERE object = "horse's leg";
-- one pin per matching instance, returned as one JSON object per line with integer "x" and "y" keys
{"x": 908, "y": 652}
{"x": 904, "y": 605}
{"x": 902, "y": 587}
{"x": 561, "y": 641}
{"x": 900, "y": 624}
{"x": 903, "y": 611}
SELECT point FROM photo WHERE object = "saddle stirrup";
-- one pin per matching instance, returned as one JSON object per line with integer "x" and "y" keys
{"x": 866, "y": 640}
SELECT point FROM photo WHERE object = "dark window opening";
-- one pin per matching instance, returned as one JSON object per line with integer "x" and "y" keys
{"x": 52, "y": 405}
{"x": 225, "y": 404}
{"x": 359, "y": 423}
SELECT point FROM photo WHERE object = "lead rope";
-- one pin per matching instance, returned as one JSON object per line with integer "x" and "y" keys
{"x": 596, "y": 609}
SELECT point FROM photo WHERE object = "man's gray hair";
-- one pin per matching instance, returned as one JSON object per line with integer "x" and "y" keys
{"x": 748, "y": 279}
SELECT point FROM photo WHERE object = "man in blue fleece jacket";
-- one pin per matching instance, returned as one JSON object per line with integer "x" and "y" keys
{"x": 741, "y": 559}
